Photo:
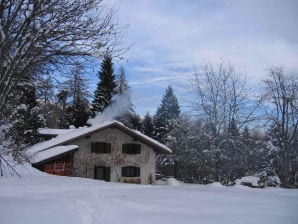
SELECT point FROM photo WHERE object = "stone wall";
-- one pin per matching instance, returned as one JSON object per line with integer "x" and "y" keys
{"x": 84, "y": 161}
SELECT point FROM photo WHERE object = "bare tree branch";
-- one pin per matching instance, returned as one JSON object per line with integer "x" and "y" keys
{"x": 36, "y": 33}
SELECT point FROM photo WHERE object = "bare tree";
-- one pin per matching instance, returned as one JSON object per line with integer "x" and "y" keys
{"x": 224, "y": 106}
{"x": 39, "y": 33}
{"x": 222, "y": 96}
{"x": 282, "y": 95}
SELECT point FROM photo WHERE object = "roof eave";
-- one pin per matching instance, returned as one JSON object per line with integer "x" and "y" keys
{"x": 130, "y": 132}
{"x": 54, "y": 157}
{"x": 121, "y": 127}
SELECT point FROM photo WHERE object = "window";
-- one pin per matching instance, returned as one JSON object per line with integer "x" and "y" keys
{"x": 130, "y": 171}
{"x": 59, "y": 166}
{"x": 130, "y": 148}
{"x": 100, "y": 147}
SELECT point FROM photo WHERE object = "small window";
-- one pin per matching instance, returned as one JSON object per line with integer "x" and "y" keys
{"x": 130, "y": 148}
{"x": 59, "y": 166}
{"x": 100, "y": 147}
{"x": 130, "y": 171}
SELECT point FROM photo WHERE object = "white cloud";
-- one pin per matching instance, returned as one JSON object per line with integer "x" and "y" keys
{"x": 169, "y": 37}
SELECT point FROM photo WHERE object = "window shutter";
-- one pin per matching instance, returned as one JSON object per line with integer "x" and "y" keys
{"x": 130, "y": 148}
{"x": 130, "y": 171}
{"x": 137, "y": 148}
{"x": 108, "y": 148}
{"x": 95, "y": 171}
{"x": 124, "y": 148}
{"x": 100, "y": 147}
{"x": 107, "y": 173}
{"x": 93, "y": 146}
{"x": 123, "y": 171}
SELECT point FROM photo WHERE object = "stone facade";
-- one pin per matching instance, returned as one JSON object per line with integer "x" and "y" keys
{"x": 84, "y": 161}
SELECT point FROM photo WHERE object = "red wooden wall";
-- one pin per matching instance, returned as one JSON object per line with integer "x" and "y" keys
{"x": 61, "y": 166}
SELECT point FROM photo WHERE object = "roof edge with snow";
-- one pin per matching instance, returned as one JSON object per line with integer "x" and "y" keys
{"x": 73, "y": 136}
{"x": 52, "y": 153}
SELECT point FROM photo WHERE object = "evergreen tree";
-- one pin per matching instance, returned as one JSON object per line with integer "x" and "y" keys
{"x": 62, "y": 116}
{"x": 147, "y": 125}
{"x": 78, "y": 113}
{"x": 233, "y": 129}
{"x": 135, "y": 121}
{"x": 45, "y": 91}
{"x": 177, "y": 139}
{"x": 25, "y": 119}
{"x": 78, "y": 110}
{"x": 249, "y": 144}
{"x": 246, "y": 134}
{"x": 167, "y": 111}
{"x": 164, "y": 121}
{"x": 106, "y": 86}
{"x": 122, "y": 82}
{"x": 128, "y": 117}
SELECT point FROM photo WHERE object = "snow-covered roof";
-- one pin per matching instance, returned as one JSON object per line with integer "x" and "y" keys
{"x": 81, "y": 132}
{"x": 51, "y": 153}
{"x": 54, "y": 131}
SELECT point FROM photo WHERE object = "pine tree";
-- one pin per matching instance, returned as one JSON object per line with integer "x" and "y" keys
{"x": 78, "y": 110}
{"x": 128, "y": 117}
{"x": 233, "y": 129}
{"x": 255, "y": 147}
{"x": 62, "y": 116}
{"x": 167, "y": 111}
{"x": 147, "y": 125}
{"x": 106, "y": 86}
{"x": 25, "y": 119}
{"x": 45, "y": 92}
{"x": 135, "y": 121}
{"x": 122, "y": 82}
{"x": 177, "y": 139}
{"x": 78, "y": 113}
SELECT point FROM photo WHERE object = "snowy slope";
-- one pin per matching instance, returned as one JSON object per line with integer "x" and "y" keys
{"x": 51, "y": 199}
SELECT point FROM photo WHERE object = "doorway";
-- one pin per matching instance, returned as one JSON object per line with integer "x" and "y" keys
{"x": 102, "y": 173}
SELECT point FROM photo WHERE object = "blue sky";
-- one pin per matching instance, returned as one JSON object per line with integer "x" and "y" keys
{"x": 169, "y": 37}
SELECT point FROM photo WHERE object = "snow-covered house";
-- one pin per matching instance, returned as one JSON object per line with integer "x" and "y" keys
{"x": 110, "y": 152}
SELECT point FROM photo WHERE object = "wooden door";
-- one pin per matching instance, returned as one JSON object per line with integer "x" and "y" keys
{"x": 102, "y": 173}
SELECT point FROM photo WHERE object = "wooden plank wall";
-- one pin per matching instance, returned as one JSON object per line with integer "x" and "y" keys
{"x": 60, "y": 167}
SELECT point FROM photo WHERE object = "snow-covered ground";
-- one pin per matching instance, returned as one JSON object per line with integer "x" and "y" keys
{"x": 52, "y": 199}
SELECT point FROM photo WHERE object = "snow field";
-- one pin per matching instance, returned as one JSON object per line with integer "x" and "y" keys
{"x": 53, "y": 199}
